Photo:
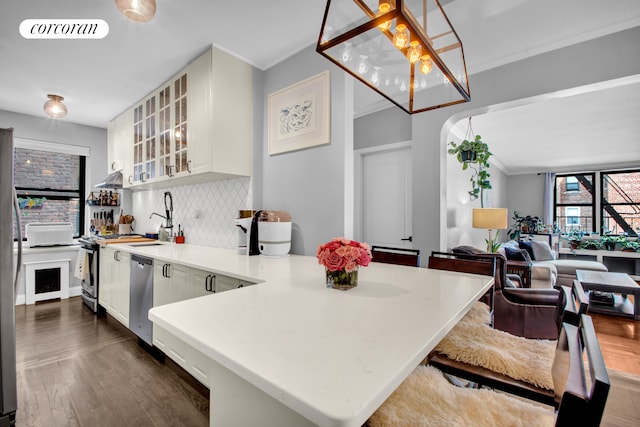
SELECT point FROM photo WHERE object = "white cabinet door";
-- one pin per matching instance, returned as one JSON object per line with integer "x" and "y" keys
{"x": 203, "y": 282}
{"x": 221, "y": 102}
{"x": 121, "y": 287}
{"x": 200, "y": 283}
{"x": 170, "y": 283}
{"x": 114, "y": 283}
{"x": 119, "y": 136}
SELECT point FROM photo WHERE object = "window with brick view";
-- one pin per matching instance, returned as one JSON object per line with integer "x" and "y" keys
{"x": 50, "y": 187}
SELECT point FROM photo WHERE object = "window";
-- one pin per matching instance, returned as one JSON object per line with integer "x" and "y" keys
{"x": 572, "y": 184}
{"x": 49, "y": 184}
{"x": 573, "y": 218}
{"x": 574, "y": 202}
{"x": 620, "y": 206}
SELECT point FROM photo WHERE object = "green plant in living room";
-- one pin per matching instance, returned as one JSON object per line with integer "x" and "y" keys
{"x": 493, "y": 245}
{"x": 609, "y": 241}
{"x": 523, "y": 224}
{"x": 474, "y": 152}
{"x": 630, "y": 246}
{"x": 591, "y": 244}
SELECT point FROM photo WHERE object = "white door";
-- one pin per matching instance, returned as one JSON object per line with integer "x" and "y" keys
{"x": 386, "y": 206}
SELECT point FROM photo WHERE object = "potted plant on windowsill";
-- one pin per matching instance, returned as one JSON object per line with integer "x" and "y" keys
{"x": 630, "y": 246}
{"x": 523, "y": 224}
{"x": 472, "y": 152}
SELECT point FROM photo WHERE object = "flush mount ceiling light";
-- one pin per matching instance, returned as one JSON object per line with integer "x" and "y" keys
{"x": 406, "y": 50}
{"x": 54, "y": 107}
{"x": 137, "y": 10}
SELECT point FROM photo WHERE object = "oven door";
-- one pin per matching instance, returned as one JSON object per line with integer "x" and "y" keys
{"x": 90, "y": 282}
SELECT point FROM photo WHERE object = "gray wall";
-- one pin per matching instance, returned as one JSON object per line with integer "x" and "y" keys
{"x": 380, "y": 128}
{"x": 62, "y": 132}
{"x": 310, "y": 183}
{"x": 525, "y": 194}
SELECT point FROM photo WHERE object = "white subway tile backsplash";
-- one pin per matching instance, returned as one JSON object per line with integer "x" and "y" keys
{"x": 205, "y": 211}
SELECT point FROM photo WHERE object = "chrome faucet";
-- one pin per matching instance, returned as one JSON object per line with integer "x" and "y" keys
{"x": 168, "y": 206}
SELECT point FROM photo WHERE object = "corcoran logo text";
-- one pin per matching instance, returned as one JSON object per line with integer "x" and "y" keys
{"x": 64, "y": 29}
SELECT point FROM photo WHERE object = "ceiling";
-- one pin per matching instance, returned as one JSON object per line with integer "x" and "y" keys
{"x": 101, "y": 78}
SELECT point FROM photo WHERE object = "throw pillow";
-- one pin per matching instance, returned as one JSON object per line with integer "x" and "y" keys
{"x": 510, "y": 244}
{"x": 517, "y": 254}
{"x": 542, "y": 251}
{"x": 527, "y": 246}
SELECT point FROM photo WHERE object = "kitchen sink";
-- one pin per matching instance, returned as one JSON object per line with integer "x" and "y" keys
{"x": 146, "y": 244}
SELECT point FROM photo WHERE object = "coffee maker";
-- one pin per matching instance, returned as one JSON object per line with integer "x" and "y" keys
{"x": 269, "y": 234}
{"x": 243, "y": 222}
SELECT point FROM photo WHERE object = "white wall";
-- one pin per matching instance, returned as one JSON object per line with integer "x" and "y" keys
{"x": 459, "y": 204}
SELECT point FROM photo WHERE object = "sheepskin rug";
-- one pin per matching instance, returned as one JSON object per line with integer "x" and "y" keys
{"x": 479, "y": 313}
{"x": 426, "y": 398}
{"x": 520, "y": 358}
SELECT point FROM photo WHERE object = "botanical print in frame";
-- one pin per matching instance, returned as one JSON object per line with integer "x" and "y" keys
{"x": 299, "y": 115}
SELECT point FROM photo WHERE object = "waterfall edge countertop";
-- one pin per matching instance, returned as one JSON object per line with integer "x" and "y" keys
{"x": 331, "y": 356}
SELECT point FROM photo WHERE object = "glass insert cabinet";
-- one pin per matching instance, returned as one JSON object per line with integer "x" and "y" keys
{"x": 160, "y": 134}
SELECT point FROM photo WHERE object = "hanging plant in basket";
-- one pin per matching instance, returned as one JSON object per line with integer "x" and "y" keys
{"x": 473, "y": 153}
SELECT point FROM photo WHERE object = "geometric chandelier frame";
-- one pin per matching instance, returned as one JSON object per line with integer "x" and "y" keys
{"x": 406, "y": 50}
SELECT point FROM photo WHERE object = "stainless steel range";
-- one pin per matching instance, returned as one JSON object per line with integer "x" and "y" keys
{"x": 91, "y": 248}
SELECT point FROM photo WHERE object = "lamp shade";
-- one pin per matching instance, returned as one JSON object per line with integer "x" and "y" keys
{"x": 490, "y": 218}
{"x": 54, "y": 107}
{"x": 137, "y": 10}
{"x": 406, "y": 50}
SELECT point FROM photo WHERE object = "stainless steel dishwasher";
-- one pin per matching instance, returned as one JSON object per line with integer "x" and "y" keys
{"x": 141, "y": 301}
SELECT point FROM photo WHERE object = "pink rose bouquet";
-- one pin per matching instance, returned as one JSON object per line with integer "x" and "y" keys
{"x": 343, "y": 254}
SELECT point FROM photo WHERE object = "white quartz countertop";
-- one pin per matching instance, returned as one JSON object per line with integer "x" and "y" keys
{"x": 333, "y": 356}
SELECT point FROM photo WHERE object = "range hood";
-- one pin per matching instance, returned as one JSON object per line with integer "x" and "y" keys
{"x": 113, "y": 180}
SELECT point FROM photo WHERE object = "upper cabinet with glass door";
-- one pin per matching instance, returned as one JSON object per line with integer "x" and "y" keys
{"x": 196, "y": 127}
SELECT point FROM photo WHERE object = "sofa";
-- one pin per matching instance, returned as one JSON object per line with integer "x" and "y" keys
{"x": 546, "y": 270}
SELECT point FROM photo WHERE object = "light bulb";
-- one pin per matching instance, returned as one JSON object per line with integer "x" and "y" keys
{"x": 54, "y": 107}
{"x": 363, "y": 65}
{"x": 346, "y": 52}
{"x": 401, "y": 37}
{"x": 425, "y": 64}
{"x": 383, "y": 8}
{"x": 414, "y": 51}
{"x": 375, "y": 76}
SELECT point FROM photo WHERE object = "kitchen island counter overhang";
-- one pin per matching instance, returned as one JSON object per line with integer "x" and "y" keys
{"x": 299, "y": 353}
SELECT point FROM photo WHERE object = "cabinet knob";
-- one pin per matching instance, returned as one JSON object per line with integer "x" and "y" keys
{"x": 130, "y": 179}
{"x": 189, "y": 166}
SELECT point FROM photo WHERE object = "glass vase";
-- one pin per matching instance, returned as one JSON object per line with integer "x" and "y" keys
{"x": 342, "y": 279}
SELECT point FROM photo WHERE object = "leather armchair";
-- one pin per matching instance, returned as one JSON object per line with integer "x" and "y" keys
{"x": 526, "y": 312}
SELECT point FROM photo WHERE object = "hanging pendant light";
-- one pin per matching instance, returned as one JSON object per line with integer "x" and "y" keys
{"x": 409, "y": 42}
{"x": 137, "y": 10}
{"x": 54, "y": 107}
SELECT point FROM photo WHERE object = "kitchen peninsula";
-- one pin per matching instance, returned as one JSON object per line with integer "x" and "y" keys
{"x": 290, "y": 352}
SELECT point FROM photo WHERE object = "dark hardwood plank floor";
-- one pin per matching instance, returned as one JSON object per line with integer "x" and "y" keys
{"x": 79, "y": 369}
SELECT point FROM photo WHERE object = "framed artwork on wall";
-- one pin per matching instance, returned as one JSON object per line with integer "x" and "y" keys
{"x": 300, "y": 115}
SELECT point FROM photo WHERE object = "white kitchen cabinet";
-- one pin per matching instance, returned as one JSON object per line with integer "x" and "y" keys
{"x": 169, "y": 283}
{"x": 196, "y": 127}
{"x": 207, "y": 282}
{"x": 114, "y": 283}
{"x": 119, "y": 137}
{"x": 221, "y": 116}
{"x": 190, "y": 359}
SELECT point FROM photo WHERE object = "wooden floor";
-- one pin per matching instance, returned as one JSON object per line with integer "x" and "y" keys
{"x": 79, "y": 369}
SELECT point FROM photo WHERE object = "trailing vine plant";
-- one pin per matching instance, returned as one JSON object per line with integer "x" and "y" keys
{"x": 473, "y": 153}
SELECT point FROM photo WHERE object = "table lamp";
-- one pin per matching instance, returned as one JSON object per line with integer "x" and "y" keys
{"x": 490, "y": 219}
